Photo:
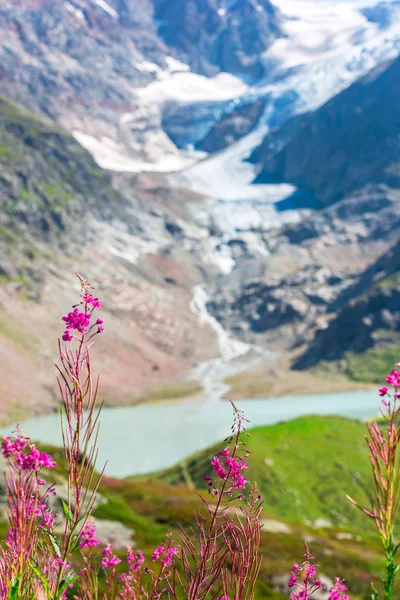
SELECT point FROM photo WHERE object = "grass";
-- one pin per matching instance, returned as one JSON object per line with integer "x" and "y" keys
{"x": 390, "y": 281}
{"x": 371, "y": 366}
{"x": 304, "y": 469}
{"x": 171, "y": 391}
{"x": 312, "y": 463}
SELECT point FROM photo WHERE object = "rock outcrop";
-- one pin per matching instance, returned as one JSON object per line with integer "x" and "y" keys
{"x": 350, "y": 141}
{"x": 219, "y": 36}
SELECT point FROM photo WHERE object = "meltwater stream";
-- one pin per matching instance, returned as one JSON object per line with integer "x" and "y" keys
{"x": 144, "y": 438}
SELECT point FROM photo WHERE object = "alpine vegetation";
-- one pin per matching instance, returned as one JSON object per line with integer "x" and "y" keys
{"x": 59, "y": 556}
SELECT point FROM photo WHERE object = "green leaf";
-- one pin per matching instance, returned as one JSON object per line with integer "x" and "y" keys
{"x": 67, "y": 511}
{"x": 374, "y": 593}
{"x": 54, "y": 543}
{"x": 65, "y": 582}
{"x": 75, "y": 541}
{"x": 43, "y": 579}
{"x": 13, "y": 593}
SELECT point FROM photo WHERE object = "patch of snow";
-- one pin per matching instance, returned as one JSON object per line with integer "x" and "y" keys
{"x": 217, "y": 252}
{"x": 322, "y": 53}
{"x": 147, "y": 67}
{"x": 227, "y": 177}
{"x": 330, "y": 34}
{"x": 107, "y": 8}
{"x": 175, "y": 65}
{"x": 189, "y": 87}
{"x": 109, "y": 155}
{"x": 75, "y": 11}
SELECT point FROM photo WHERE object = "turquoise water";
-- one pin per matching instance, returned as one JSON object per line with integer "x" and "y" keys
{"x": 144, "y": 438}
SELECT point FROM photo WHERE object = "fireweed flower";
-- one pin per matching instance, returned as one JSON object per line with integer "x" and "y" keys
{"x": 383, "y": 391}
{"x": 168, "y": 559}
{"x": 80, "y": 320}
{"x": 337, "y": 592}
{"x": 230, "y": 468}
{"x": 304, "y": 578}
{"x": 32, "y": 460}
{"x": 95, "y": 302}
{"x": 135, "y": 559}
{"x": 88, "y": 536}
{"x": 159, "y": 551}
{"x": 393, "y": 379}
{"x": 109, "y": 560}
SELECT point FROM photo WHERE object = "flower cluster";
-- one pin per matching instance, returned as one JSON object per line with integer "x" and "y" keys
{"x": 32, "y": 460}
{"x": 393, "y": 379}
{"x": 338, "y": 591}
{"x": 88, "y": 536}
{"x": 304, "y": 578}
{"x": 135, "y": 559}
{"x": 95, "y": 302}
{"x": 231, "y": 468}
{"x": 167, "y": 554}
{"x": 80, "y": 320}
{"x": 109, "y": 560}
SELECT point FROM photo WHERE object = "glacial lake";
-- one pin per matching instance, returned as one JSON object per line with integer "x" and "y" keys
{"x": 144, "y": 438}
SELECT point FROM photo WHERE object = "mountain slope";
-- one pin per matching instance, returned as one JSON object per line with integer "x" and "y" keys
{"x": 214, "y": 35}
{"x": 367, "y": 323}
{"x": 349, "y": 142}
{"x": 59, "y": 213}
{"x": 80, "y": 60}
{"x": 294, "y": 484}
{"x": 49, "y": 189}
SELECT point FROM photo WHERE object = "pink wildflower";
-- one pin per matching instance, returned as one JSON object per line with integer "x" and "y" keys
{"x": 218, "y": 468}
{"x": 311, "y": 571}
{"x": 109, "y": 560}
{"x": 95, "y": 302}
{"x": 77, "y": 320}
{"x": 159, "y": 551}
{"x": 393, "y": 379}
{"x": 134, "y": 559}
{"x": 169, "y": 557}
{"x": 67, "y": 336}
{"x": 337, "y": 592}
{"x": 88, "y": 536}
{"x": 64, "y": 564}
{"x": 33, "y": 461}
{"x": 383, "y": 391}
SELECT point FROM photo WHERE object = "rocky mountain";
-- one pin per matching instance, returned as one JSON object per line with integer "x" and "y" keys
{"x": 80, "y": 60}
{"x": 366, "y": 314}
{"x": 181, "y": 106}
{"x": 219, "y": 35}
{"x": 60, "y": 213}
{"x": 309, "y": 265}
{"x": 349, "y": 142}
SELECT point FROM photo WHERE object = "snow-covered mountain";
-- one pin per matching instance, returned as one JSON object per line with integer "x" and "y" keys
{"x": 180, "y": 101}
